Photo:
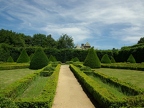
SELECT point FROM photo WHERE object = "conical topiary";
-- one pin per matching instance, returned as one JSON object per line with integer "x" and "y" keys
{"x": 105, "y": 59}
{"x": 39, "y": 59}
{"x": 52, "y": 58}
{"x": 112, "y": 60}
{"x": 92, "y": 59}
{"x": 131, "y": 59}
{"x": 23, "y": 57}
{"x": 10, "y": 59}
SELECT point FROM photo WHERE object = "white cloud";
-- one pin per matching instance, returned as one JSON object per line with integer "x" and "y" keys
{"x": 121, "y": 20}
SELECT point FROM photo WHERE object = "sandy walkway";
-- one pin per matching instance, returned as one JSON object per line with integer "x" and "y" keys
{"x": 69, "y": 93}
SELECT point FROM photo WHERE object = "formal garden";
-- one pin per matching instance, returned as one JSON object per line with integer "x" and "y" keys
{"x": 29, "y": 75}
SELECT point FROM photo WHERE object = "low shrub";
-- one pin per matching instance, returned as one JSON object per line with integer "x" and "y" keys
{"x": 10, "y": 59}
{"x": 9, "y": 66}
{"x": 75, "y": 59}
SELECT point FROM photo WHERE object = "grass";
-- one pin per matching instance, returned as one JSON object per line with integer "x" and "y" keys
{"x": 9, "y": 76}
{"x": 35, "y": 88}
{"x": 111, "y": 89}
{"x": 131, "y": 76}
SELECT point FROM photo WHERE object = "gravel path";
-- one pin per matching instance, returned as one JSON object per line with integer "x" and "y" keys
{"x": 69, "y": 93}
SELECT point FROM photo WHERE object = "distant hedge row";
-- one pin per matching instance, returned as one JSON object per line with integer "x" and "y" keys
{"x": 64, "y": 55}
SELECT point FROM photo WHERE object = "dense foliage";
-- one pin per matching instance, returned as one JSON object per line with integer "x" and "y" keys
{"x": 112, "y": 60}
{"x": 39, "y": 59}
{"x": 11, "y": 44}
{"x": 23, "y": 57}
{"x": 92, "y": 59}
{"x": 105, "y": 59}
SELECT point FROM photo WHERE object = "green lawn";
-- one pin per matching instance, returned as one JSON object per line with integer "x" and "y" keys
{"x": 111, "y": 89}
{"x": 132, "y": 76}
{"x": 9, "y": 76}
{"x": 35, "y": 88}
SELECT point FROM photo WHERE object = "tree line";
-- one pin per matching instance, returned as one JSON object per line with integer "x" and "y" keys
{"x": 41, "y": 40}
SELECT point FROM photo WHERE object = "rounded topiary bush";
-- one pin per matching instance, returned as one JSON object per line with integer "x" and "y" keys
{"x": 75, "y": 59}
{"x": 10, "y": 59}
{"x": 131, "y": 59}
{"x": 52, "y": 58}
{"x": 92, "y": 59}
{"x": 105, "y": 59}
{"x": 23, "y": 57}
{"x": 39, "y": 59}
{"x": 112, "y": 60}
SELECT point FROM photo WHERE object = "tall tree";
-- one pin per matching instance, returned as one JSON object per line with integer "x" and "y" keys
{"x": 50, "y": 42}
{"x": 65, "y": 41}
{"x": 39, "y": 40}
{"x": 141, "y": 40}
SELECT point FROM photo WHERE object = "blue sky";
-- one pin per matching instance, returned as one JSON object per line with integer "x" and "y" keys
{"x": 105, "y": 24}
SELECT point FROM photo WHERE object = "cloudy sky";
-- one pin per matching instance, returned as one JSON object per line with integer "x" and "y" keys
{"x": 105, "y": 24}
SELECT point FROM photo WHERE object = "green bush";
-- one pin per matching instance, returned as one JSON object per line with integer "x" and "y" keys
{"x": 23, "y": 58}
{"x": 92, "y": 59}
{"x": 131, "y": 59}
{"x": 52, "y": 58}
{"x": 10, "y": 59}
{"x": 39, "y": 59}
{"x": 105, "y": 59}
{"x": 75, "y": 59}
{"x": 112, "y": 60}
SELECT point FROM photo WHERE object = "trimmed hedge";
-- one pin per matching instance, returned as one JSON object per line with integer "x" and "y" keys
{"x": 92, "y": 59}
{"x": 39, "y": 59}
{"x": 45, "y": 99}
{"x": 18, "y": 87}
{"x": 105, "y": 59}
{"x": 132, "y": 66}
{"x": 23, "y": 57}
{"x": 9, "y": 66}
{"x": 124, "y": 87}
{"x": 100, "y": 94}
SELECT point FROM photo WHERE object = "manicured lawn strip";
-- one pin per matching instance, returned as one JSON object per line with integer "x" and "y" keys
{"x": 9, "y": 66}
{"x": 100, "y": 93}
{"x": 45, "y": 98}
{"x": 113, "y": 90}
{"x": 19, "y": 86}
{"x": 35, "y": 88}
{"x": 130, "y": 76}
{"x": 8, "y": 77}
{"x": 132, "y": 66}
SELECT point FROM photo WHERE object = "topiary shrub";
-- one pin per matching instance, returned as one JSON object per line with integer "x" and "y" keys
{"x": 112, "y": 60}
{"x": 75, "y": 59}
{"x": 31, "y": 56}
{"x": 92, "y": 59}
{"x": 10, "y": 59}
{"x": 105, "y": 59}
{"x": 52, "y": 58}
{"x": 23, "y": 57}
{"x": 131, "y": 59}
{"x": 39, "y": 59}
